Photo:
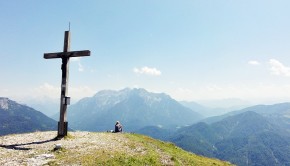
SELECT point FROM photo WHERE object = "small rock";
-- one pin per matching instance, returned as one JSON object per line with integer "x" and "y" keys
{"x": 57, "y": 147}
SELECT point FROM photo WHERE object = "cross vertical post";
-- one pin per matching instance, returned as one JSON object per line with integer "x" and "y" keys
{"x": 63, "y": 124}
{"x": 64, "y": 100}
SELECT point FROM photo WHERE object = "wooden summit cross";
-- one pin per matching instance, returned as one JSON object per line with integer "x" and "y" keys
{"x": 64, "y": 100}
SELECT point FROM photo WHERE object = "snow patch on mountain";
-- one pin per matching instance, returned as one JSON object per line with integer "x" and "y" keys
{"x": 4, "y": 103}
{"x": 111, "y": 98}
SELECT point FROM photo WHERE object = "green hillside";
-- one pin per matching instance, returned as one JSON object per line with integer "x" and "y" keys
{"x": 88, "y": 148}
{"x": 244, "y": 139}
{"x": 19, "y": 118}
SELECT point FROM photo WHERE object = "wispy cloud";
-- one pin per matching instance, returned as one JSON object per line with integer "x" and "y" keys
{"x": 253, "y": 62}
{"x": 75, "y": 59}
{"x": 52, "y": 91}
{"x": 48, "y": 90}
{"x": 78, "y": 60}
{"x": 81, "y": 68}
{"x": 277, "y": 68}
{"x": 148, "y": 71}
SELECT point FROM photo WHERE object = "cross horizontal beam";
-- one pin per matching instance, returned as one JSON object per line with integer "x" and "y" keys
{"x": 66, "y": 54}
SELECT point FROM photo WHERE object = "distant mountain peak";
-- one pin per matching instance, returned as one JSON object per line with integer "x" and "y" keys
{"x": 135, "y": 108}
{"x": 112, "y": 97}
{"x": 19, "y": 118}
{"x": 4, "y": 104}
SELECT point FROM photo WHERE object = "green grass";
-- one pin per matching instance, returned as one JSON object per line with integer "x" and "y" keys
{"x": 143, "y": 151}
{"x": 69, "y": 136}
{"x": 118, "y": 159}
{"x": 178, "y": 156}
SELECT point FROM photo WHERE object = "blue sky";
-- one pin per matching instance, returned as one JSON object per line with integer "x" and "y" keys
{"x": 192, "y": 50}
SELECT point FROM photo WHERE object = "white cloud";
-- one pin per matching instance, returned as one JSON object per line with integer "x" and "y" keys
{"x": 81, "y": 68}
{"x": 78, "y": 60}
{"x": 48, "y": 90}
{"x": 148, "y": 71}
{"x": 54, "y": 91}
{"x": 80, "y": 92}
{"x": 277, "y": 68}
{"x": 253, "y": 62}
{"x": 74, "y": 59}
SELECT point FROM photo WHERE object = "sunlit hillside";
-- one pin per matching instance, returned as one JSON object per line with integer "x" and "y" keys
{"x": 88, "y": 148}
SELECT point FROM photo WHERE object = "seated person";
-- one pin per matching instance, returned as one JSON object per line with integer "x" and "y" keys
{"x": 118, "y": 127}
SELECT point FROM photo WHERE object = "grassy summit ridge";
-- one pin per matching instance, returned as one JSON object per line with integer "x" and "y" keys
{"x": 89, "y": 148}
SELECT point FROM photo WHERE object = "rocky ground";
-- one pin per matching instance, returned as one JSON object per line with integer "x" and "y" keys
{"x": 94, "y": 148}
{"x": 38, "y": 148}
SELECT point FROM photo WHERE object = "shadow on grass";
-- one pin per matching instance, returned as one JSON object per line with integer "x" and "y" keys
{"x": 18, "y": 146}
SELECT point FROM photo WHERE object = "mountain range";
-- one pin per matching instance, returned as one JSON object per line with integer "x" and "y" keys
{"x": 257, "y": 135}
{"x": 278, "y": 114}
{"x": 134, "y": 108}
{"x": 18, "y": 118}
{"x": 210, "y": 111}
{"x": 247, "y": 138}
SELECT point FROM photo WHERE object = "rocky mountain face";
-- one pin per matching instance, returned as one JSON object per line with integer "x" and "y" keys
{"x": 134, "y": 108}
{"x": 17, "y": 118}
